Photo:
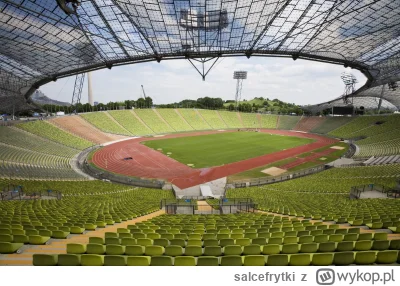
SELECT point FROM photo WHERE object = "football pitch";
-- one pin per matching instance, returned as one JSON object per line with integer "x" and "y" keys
{"x": 223, "y": 148}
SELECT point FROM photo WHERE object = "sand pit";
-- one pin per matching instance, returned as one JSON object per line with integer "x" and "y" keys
{"x": 337, "y": 147}
{"x": 274, "y": 171}
{"x": 322, "y": 158}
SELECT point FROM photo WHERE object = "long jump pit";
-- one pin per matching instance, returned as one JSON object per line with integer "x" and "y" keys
{"x": 148, "y": 163}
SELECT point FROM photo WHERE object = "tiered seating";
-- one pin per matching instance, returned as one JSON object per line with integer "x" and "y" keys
{"x": 213, "y": 119}
{"x": 250, "y": 120}
{"x": 286, "y": 122}
{"x": 231, "y": 240}
{"x": 359, "y": 125}
{"x": 78, "y": 126}
{"x": 35, "y": 222}
{"x": 103, "y": 122}
{"x": 194, "y": 119}
{"x": 174, "y": 120}
{"x": 153, "y": 121}
{"x": 379, "y": 149}
{"x": 308, "y": 123}
{"x": 231, "y": 119}
{"x": 46, "y": 130}
{"x": 18, "y": 138}
{"x": 18, "y": 155}
{"x": 390, "y": 124}
{"x": 383, "y": 160}
{"x": 340, "y": 180}
{"x": 374, "y": 213}
{"x": 331, "y": 123}
{"x": 268, "y": 121}
{"x": 129, "y": 121}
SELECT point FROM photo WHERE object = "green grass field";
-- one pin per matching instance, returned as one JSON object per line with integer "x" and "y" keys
{"x": 223, "y": 148}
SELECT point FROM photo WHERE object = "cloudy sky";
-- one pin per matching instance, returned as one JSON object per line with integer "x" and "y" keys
{"x": 301, "y": 82}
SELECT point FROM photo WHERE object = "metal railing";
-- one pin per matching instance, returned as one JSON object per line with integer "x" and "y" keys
{"x": 356, "y": 191}
{"x": 12, "y": 192}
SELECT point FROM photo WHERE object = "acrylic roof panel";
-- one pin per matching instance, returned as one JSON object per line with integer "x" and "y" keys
{"x": 39, "y": 42}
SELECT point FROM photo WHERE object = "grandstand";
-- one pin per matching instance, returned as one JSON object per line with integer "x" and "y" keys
{"x": 174, "y": 119}
{"x": 194, "y": 119}
{"x": 331, "y": 123}
{"x": 102, "y": 121}
{"x": 287, "y": 122}
{"x": 128, "y": 120}
{"x": 250, "y": 120}
{"x": 231, "y": 119}
{"x": 308, "y": 123}
{"x": 213, "y": 118}
{"x": 268, "y": 121}
{"x": 154, "y": 121}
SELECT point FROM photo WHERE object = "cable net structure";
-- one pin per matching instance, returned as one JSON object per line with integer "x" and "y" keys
{"x": 43, "y": 40}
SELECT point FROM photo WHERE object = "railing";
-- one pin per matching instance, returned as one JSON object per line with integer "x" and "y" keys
{"x": 11, "y": 193}
{"x": 356, "y": 191}
{"x": 275, "y": 179}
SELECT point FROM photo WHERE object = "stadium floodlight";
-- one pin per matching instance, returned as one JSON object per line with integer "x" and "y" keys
{"x": 349, "y": 81}
{"x": 198, "y": 19}
{"x": 239, "y": 76}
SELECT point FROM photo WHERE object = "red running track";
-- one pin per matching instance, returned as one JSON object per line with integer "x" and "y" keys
{"x": 149, "y": 163}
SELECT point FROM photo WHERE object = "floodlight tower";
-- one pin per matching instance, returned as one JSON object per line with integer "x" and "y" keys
{"x": 239, "y": 76}
{"x": 349, "y": 81}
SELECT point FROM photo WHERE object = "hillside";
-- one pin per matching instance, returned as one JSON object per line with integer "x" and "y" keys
{"x": 267, "y": 105}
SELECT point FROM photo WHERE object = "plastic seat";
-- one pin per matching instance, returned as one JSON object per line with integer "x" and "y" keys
{"x": 290, "y": 240}
{"x": 97, "y": 240}
{"x": 154, "y": 250}
{"x": 184, "y": 261}
{"x": 128, "y": 241}
{"x": 231, "y": 260}
{"x": 134, "y": 250}
{"x": 321, "y": 238}
{"x": 278, "y": 260}
{"x": 365, "y": 257}
{"x": 76, "y": 248}
{"x": 394, "y": 244}
{"x": 386, "y": 257}
{"x": 306, "y": 239}
{"x": 161, "y": 242}
{"x": 309, "y": 247}
{"x": 350, "y": 237}
{"x": 322, "y": 259}
{"x": 300, "y": 260}
{"x": 194, "y": 242}
{"x": 365, "y": 236}
{"x": 115, "y": 260}
{"x": 94, "y": 248}
{"x": 380, "y": 236}
{"x": 254, "y": 260}
{"x": 210, "y": 242}
{"x": 327, "y": 247}
{"x": 343, "y": 258}
{"x": 161, "y": 261}
{"x": 144, "y": 241}
{"x": 112, "y": 240}
{"x": 290, "y": 248}
{"x": 173, "y": 250}
{"x": 363, "y": 245}
{"x": 115, "y": 249}
{"x": 226, "y": 241}
{"x": 92, "y": 260}
{"x": 138, "y": 261}
{"x": 345, "y": 246}
{"x": 275, "y": 240}
{"x": 271, "y": 249}
{"x": 193, "y": 251}
{"x": 207, "y": 261}
{"x": 44, "y": 260}
{"x": 69, "y": 260}
{"x": 252, "y": 249}
{"x": 380, "y": 245}
{"x": 243, "y": 241}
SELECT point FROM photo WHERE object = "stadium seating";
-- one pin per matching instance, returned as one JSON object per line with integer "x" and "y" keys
{"x": 331, "y": 123}
{"x": 250, "y": 120}
{"x": 231, "y": 119}
{"x": 268, "y": 121}
{"x": 286, "y": 122}
{"x": 307, "y": 123}
{"x": 194, "y": 119}
{"x": 104, "y": 122}
{"x": 239, "y": 252}
{"x": 213, "y": 118}
{"x": 153, "y": 121}
{"x": 51, "y": 132}
{"x": 174, "y": 119}
{"x": 129, "y": 121}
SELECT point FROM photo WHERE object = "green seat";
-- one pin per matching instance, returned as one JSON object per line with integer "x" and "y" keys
{"x": 343, "y": 258}
{"x": 177, "y": 241}
{"x": 194, "y": 242}
{"x": 322, "y": 259}
{"x": 380, "y": 236}
{"x": 300, "y": 260}
{"x": 394, "y": 244}
{"x": 154, "y": 250}
{"x": 209, "y": 236}
{"x": 290, "y": 240}
{"x": 144, "y": 241}
{"x": 252, "y": 249}
{"x": 365, "y": 257}
{"x": 115, "y": 260}
{"x": 90, "y": 226}
{"x": 20, "y": 238}
{"x": 124, "y": 235}
{"x": 363, "y": 245}
{"x": 76, "y": 230}
{"x": 233, "y": 250}
{"x": 321, "y": 238}
{"x": 76, "y": 248}
{"x": 271, "y": 249}
{"x": 354, "y": 230}
{"x": 134, "y": 250}
{"x": 38, "y": 240}
{"x": 306, "y": 239}
{"x": 9, "y": 247}
{"x": 153, "y": 235}
{"x": 327, "y": 247}
{"x": 6, "y": 238}
{"x": 128, "y": 241}
{"x": 44, "y": 260}
{"x": 365, "y": 236}
{"x": 69, "y": 260}
{"x": 161, "y": 261}
{"x": 328, "y": 231}
{"x": 254, "y": 260}
{"x": 92, "y": 260}
{"x": 231, "y": 260}
{"x": 336, "y": 237}
{"x": 193, "y": 250}
{"x": 243, "y": 241}
{"x": 386, "y": 257}
{"x": 380, "y": 245}
{"x": 290, "y": 248}
{"x": 278, "y": 260}
{"x": 309, "y": 247}
{"x": 212, "y": 251}
{"x": 112, "y": 240}
{"x": 138, "y": 235}
{"x": 207, "y": 261}
{"x": 350, "y": 237}
{"x": 161, "y": 242}
{"x": 259, "y": 241}
{"x": 94, "y": 248}
{"x": 138, "y": 261}
{"x": 184, "y": 261}
{"x": 345, "y": 246}
{"x": 173, "y": 250}
{"x": 226, "y": 241}
{"x": 210, "y": 242}
{"x": 275, "y": 240}
{"x": 115, "y": 249}
{"x": 96, "y": 240}
{"x": 59, "y": 234}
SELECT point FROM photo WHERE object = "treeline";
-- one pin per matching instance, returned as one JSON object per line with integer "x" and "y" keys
{"x": 258, "y": 104}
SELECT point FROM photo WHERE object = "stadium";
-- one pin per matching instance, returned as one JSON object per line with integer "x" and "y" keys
{"x": 154, "y": 186}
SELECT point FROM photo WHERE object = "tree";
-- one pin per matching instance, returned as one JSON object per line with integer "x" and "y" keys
{"x": 231, "y": 107}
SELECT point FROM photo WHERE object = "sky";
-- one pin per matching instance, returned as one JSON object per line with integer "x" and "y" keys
{"x": 301, "y": 82}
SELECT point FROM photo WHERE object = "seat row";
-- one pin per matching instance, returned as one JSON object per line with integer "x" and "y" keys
{"x": 317, "y": 259}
